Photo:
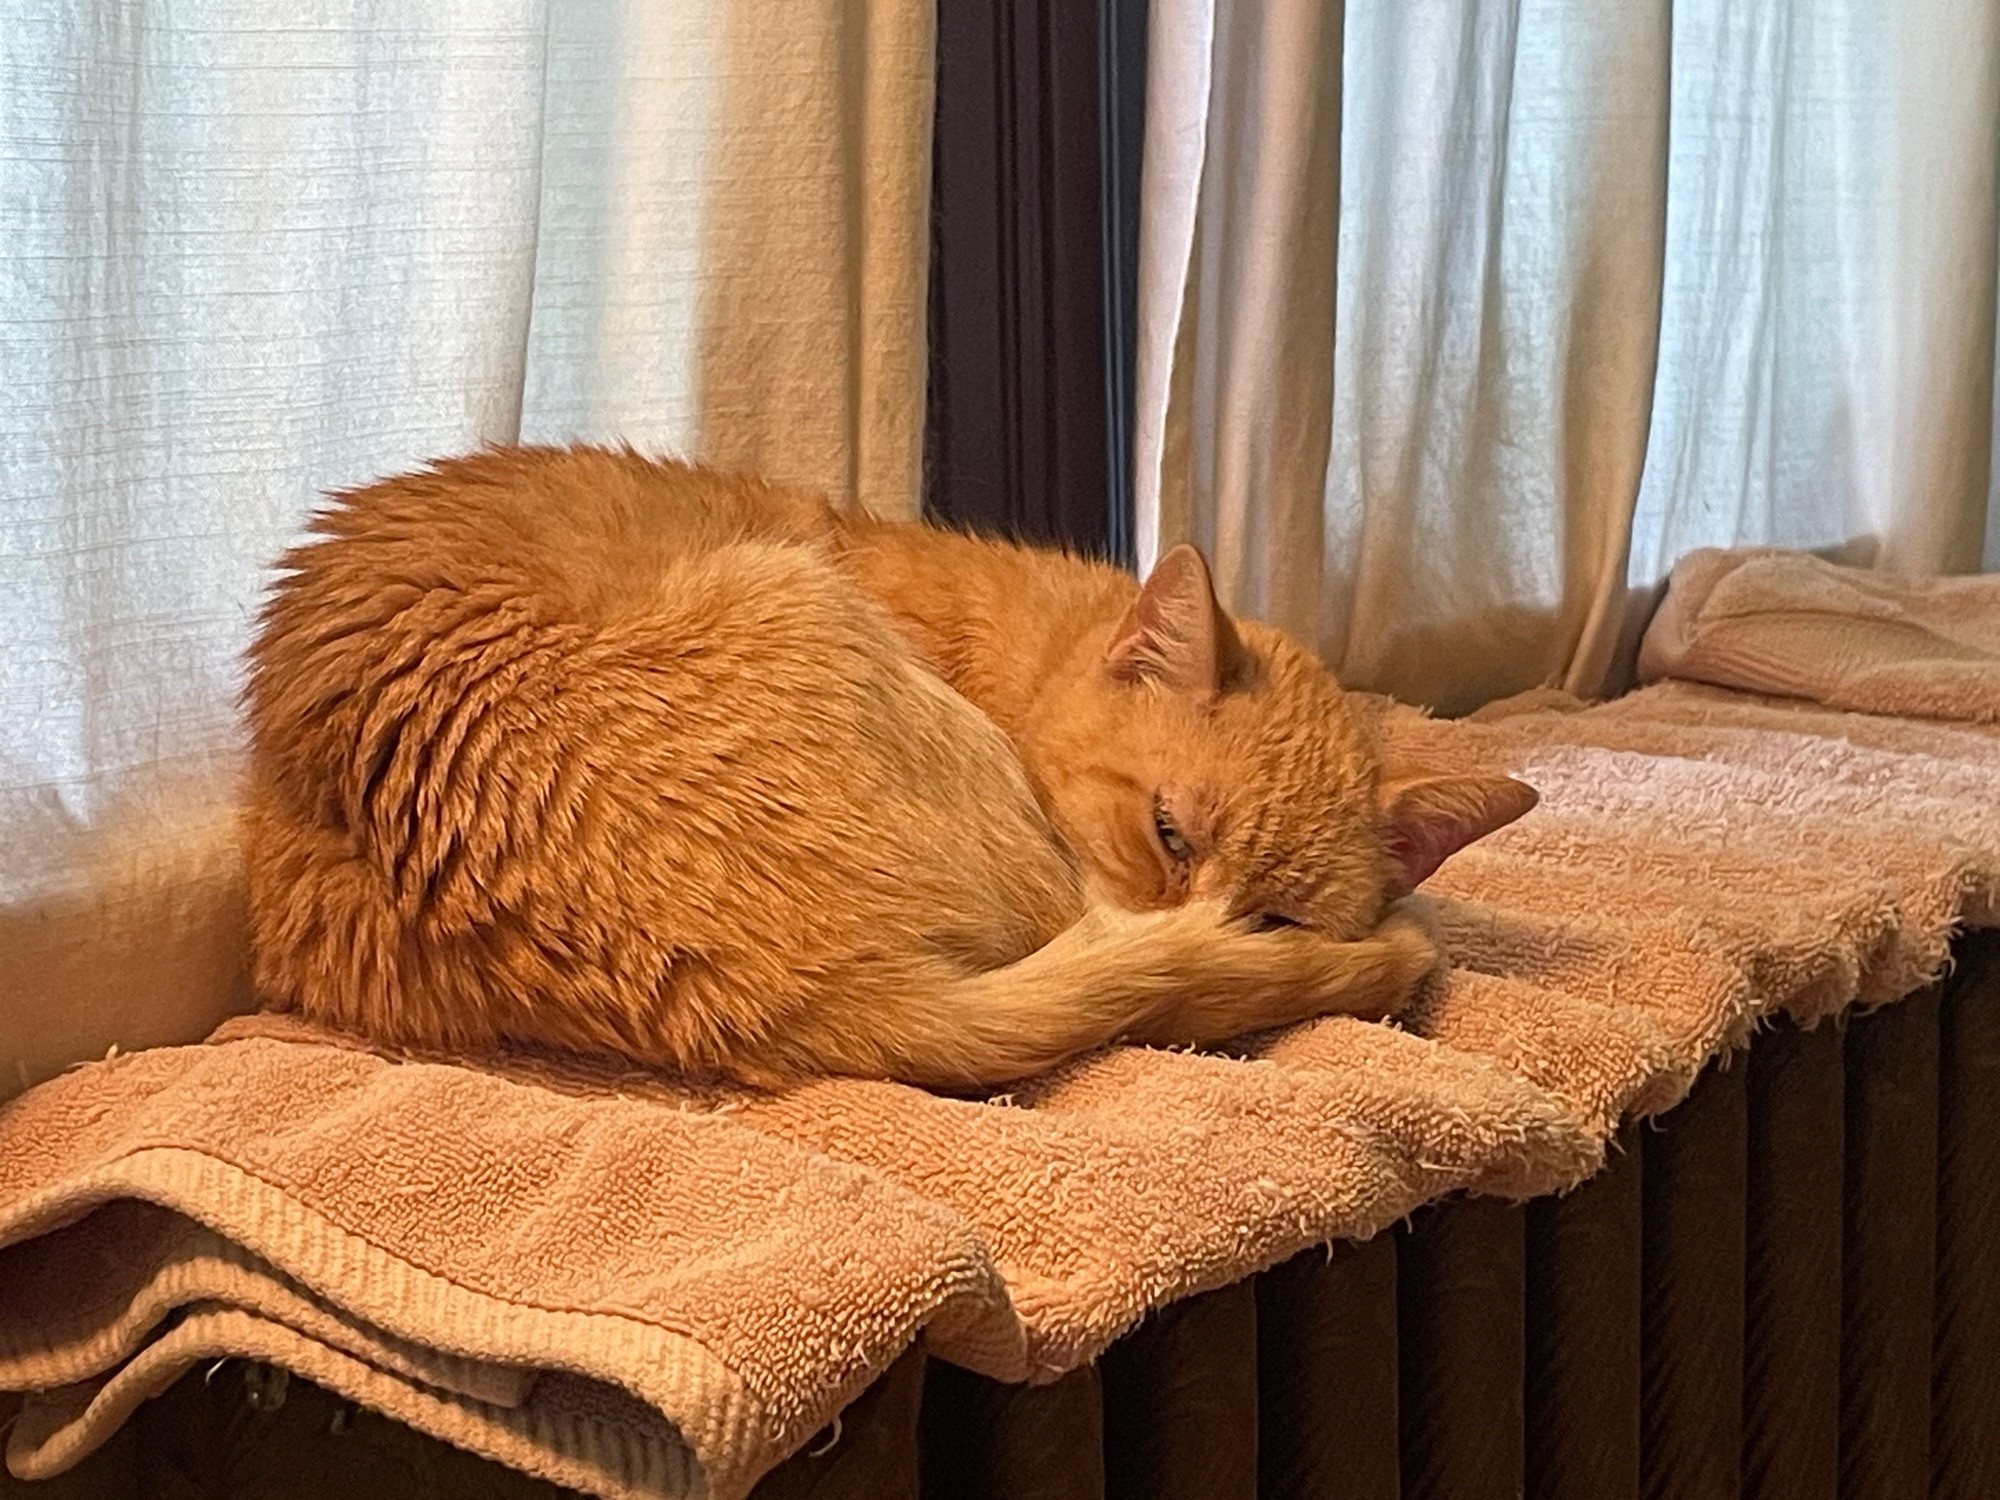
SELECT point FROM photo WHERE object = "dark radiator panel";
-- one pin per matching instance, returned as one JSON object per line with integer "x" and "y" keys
{"x": 1691, "y": 1311}
{"x": 1965, "y": 1371}
{"x": 1327, "y": 1375}
{"x": 1180, "y": 1402}
{"x": 1461, "y": 1301}
{"x": 983, "y": 1440}
{"x": 1583, "y": 1293}
{"x": 1791, "y": 1355}
{"x": 1788, "y": 1289}
{"x": 1888, "y": 1252}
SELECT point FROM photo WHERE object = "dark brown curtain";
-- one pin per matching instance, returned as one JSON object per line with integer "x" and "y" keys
{"x": 1035, "y": 178}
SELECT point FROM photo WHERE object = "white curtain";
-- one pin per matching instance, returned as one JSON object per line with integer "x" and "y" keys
{"x": 1459, "y": 323}
{"x": 251, "y": 253}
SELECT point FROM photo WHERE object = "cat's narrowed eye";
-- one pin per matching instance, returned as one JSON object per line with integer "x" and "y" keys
{"x": 1170, "y": 836}
{"x": 1271, "y": 921}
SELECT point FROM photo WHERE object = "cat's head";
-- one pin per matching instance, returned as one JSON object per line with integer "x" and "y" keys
{"x": 1187, "y": 754}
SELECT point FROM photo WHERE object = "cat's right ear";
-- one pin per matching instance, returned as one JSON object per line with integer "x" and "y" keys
{"x": 1427, "y": 819}
{"x": 1176, "y": 633}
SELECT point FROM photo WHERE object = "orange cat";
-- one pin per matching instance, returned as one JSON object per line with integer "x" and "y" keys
{"x": 571, "y": 747}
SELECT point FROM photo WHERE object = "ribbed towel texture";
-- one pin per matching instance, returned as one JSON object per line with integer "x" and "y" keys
{"x": 1770, "y": 621}
{"x": 644, "y": 1290}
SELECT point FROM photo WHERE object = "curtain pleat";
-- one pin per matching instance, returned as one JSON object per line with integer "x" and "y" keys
{"x": 1560, "y": 291}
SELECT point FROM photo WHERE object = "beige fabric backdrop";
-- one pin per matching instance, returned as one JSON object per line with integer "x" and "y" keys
{"x": 243, "y": 260}
{"x": 1458, "y": 324}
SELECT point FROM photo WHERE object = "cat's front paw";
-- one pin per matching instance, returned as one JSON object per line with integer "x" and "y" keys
{"x": 1231, "y": 978}
{"x": 1403, "y": 953}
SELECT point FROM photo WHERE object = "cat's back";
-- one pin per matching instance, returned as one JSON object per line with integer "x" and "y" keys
{"x": 496, "y": 568}
{"x": 581, "y": 532}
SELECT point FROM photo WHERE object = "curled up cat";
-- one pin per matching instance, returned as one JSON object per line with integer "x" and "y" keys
{"x": 570, "y": 747}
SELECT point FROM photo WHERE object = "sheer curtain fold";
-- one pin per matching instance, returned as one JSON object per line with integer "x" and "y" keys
{"x": 1248, "y": 324}
{"x": 733, "y": 237}
{"x": 1827, "y": 343}
{"x": 245, "y": 261}
{"x": 1608, "y": 283}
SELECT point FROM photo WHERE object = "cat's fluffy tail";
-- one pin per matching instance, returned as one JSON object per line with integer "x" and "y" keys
{"x": 1186, "y": 976}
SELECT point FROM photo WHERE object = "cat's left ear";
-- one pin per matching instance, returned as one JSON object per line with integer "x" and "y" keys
{"x": 1427, "y": 819}
{"x": 1175, "y": 633}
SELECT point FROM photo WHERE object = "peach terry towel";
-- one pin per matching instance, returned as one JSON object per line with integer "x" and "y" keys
{"x": 642, "y": 1289}
{"x": 1766, "y": 620}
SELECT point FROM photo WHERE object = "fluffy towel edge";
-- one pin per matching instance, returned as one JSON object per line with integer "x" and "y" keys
{"x": 720, "y": 1422}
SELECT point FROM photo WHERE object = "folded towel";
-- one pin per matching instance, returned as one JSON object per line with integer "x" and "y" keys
{"x": 643, "y": 1289}
{"x": 1770, "y": 621}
